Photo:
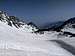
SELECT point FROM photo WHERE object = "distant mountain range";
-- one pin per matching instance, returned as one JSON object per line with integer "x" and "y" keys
{"x": 64, "y": 27}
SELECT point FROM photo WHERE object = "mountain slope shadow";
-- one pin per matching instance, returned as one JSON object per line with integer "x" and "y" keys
{"x": 65, "y": 46}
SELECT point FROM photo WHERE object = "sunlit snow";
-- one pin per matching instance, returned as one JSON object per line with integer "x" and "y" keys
{"x": 15, "y": 42}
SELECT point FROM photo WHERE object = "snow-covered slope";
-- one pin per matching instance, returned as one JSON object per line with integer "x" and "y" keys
{"x": 69, "y": 27}
{"x": 21, "y": 42}
{"x": 14, "y": 42}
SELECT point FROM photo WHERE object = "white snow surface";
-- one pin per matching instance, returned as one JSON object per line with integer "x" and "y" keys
{"x": 18, "y": 42}
{"x": 71, "y": 30}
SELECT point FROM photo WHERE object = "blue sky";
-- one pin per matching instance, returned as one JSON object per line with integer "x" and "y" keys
{"x": 39, "y": 11}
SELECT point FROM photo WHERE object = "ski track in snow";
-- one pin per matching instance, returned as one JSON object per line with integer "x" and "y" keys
{"x": 34, "y": 48}
{"x": 65, "y": 45}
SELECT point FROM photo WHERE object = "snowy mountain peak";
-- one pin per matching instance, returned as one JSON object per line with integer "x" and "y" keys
{"x": 70, "y": 23}
{"x": 15, "y": 22}
{"x": 3, "y": 16}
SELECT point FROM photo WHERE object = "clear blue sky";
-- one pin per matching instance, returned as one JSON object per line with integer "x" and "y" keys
{"x": 39, "y": 11}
